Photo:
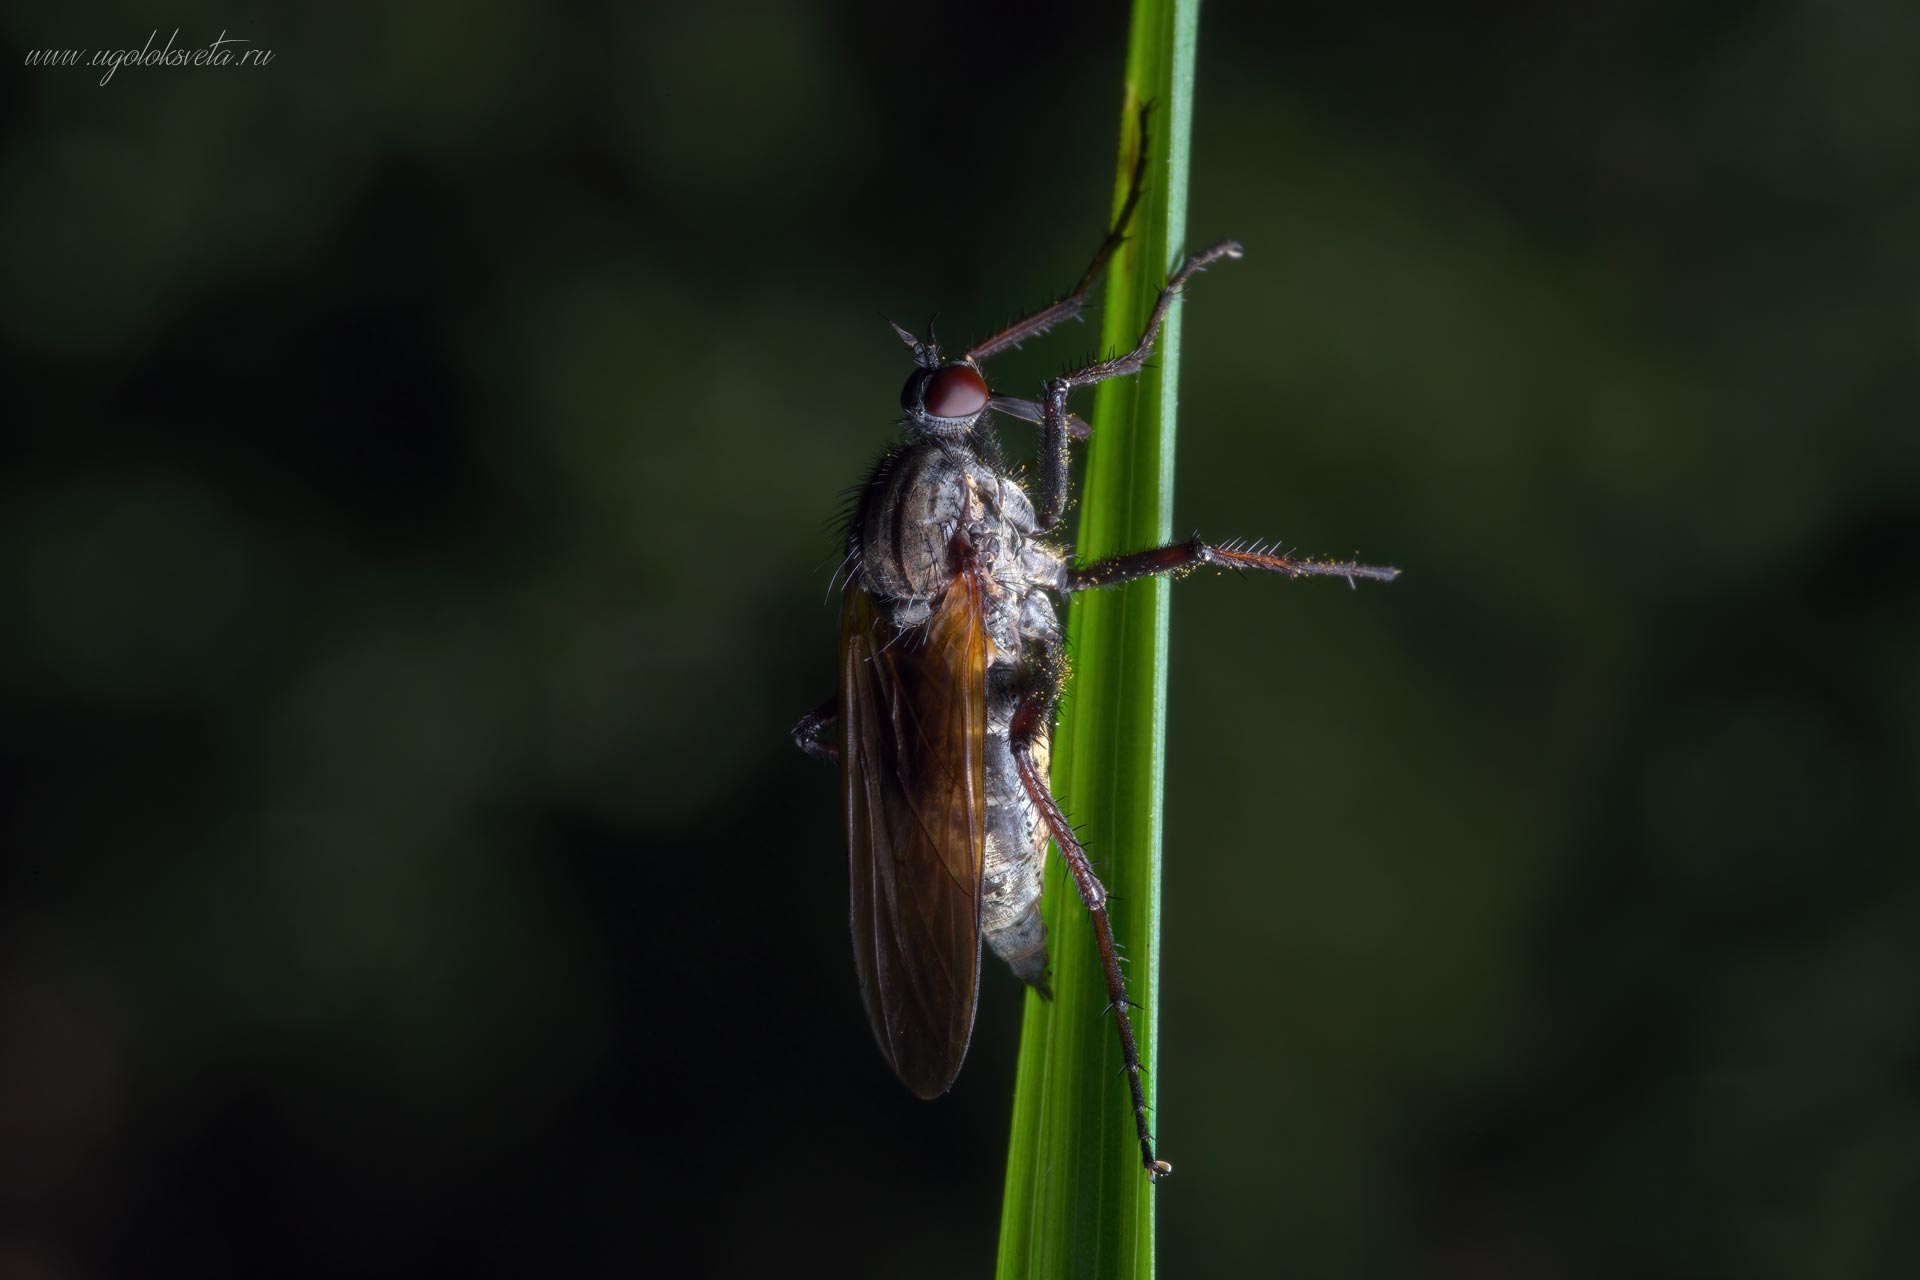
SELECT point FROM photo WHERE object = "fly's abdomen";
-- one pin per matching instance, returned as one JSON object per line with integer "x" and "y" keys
{"x": 1010, "y": 881}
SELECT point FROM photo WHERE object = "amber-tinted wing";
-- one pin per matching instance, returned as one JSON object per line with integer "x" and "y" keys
{"x": 913, "y": 710}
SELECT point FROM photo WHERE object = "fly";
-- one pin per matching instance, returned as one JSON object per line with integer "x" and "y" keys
{"x": 951, "y": 668}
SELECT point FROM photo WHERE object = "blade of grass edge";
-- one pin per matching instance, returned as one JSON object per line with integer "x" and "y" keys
{"x": 1077, "y": 1202}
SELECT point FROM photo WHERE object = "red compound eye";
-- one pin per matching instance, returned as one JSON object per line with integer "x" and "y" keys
{"x": 957, "y": 391}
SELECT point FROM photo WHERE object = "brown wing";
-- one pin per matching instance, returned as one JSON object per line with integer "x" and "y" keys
{"x": 913, "y": 711}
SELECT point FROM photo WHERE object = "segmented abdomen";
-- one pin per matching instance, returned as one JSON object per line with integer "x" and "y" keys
{"x": 1010, "y": 879}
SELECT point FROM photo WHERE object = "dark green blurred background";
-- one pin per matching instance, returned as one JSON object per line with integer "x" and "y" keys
{"x": 414, "y": 544}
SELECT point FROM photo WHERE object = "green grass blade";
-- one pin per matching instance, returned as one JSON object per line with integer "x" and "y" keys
{"x": 1077, "y": 1201}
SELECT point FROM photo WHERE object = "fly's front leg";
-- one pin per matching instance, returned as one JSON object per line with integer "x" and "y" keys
{"x": 1054, "y": 425}
{"x": 1069, "y": 307}
{"x": 1031, "y": 411}
{"x": 1181, "y": 557}
{"x": 1030, "y": 719}
{"x": 812, "y": 733}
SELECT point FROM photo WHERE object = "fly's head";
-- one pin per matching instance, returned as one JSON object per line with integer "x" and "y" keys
{"x": 943, "y": 398}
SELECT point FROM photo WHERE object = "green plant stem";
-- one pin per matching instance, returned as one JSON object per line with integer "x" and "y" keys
{"x": 1078, "y": 1202}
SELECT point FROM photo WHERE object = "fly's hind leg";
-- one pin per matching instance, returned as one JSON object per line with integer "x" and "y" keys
{"x": 1030, "y": 720}
{"x": 813, "y": 732}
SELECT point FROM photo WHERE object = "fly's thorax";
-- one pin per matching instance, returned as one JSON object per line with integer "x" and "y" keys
{"x": 1020, "y": 562}
{"x": 918, "y": 500}
{"x": 915, "y": 503}
{"x": 1006, "y": 502}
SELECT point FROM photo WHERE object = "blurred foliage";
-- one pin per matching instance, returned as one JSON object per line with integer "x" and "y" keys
{"x": 414, "y": 524}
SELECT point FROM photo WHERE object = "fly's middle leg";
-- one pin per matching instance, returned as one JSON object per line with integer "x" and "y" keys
{"x": 1182, "y": 557}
